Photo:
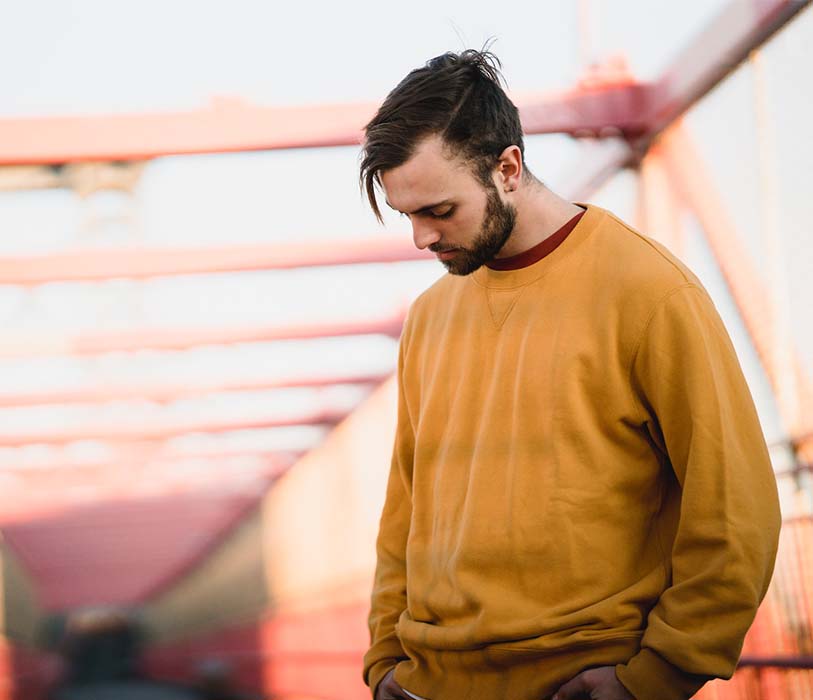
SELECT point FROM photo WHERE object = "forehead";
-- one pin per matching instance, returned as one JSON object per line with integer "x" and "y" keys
{"x": 431, "y": 175}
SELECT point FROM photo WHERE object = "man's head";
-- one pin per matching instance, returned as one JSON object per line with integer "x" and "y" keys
{"x": 446, "y": 147}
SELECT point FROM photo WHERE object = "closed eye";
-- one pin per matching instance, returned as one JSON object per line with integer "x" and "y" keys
{"x": 445, "y": 215}
{"x": 429, "y": 213}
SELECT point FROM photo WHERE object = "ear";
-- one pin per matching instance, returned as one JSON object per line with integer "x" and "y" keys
{"x": 509, "y": 169}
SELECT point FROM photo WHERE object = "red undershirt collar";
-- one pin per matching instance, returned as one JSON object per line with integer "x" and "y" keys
{"x": 539, "y": 251}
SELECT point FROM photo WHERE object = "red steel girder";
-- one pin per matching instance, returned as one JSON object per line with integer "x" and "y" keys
{"x": 144, "y": 263}
{"x": 740, "y": 28}
{"x": 225, "y": 126}
{"x": 30, "y": 492}
{"x": 161, "y": 432}
{"x": 244, "y": 127}
{"x": 690, "y": 178}
{"x": 128, "y": 457}
{"x": 176, "y": 392}
{"x": 99, "y": 343}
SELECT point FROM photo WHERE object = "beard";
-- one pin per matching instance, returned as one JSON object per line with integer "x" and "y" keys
{"x": 498, "y": 223}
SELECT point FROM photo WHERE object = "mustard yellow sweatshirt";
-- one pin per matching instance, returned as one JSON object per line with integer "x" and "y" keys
{"x": 579, "y": 479}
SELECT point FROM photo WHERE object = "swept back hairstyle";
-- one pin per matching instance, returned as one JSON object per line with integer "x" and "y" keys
{"x": 455, "y": 96}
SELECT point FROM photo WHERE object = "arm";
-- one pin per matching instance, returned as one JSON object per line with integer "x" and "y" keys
{"x": 689, "y": 387}
{"x": 389, "y": 598}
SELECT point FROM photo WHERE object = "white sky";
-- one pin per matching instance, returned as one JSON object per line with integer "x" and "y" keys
{"x": 98, "y": 56}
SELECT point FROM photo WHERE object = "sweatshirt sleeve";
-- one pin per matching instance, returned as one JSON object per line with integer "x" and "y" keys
{"x": 689, "y": 386}
{"x": 389, "y": 597}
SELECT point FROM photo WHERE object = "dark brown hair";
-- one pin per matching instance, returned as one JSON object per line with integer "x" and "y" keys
{"x": 456, "y": 96}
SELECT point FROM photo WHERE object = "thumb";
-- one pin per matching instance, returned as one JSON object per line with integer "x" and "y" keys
{"x": 574, "y": 689}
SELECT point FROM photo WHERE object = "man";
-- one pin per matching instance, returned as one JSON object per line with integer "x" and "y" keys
{"x": 581, "y": 502}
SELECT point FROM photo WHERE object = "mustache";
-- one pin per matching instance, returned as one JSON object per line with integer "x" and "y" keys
{"x": 437, "y": 248}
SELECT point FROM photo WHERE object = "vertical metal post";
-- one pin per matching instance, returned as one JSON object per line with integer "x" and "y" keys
{"x": 659, "y": 210}
{"x": 781, "y": 355}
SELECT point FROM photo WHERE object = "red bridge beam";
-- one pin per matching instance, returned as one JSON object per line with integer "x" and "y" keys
{"x": 144, "y": 263}
{"x": 237, "y": 126}
{"x": 169, "y": 393}
{"x": 128, "y": 457}
{"x": 595, "y": 111}
{"x": 740, "y": 28}
{"x": 691, "y": 179}
{"x": 225, "y": 126}
{"x": 789, "y": 662}
{"x": 162, "y": 432}
{"x": 167, "y": 339}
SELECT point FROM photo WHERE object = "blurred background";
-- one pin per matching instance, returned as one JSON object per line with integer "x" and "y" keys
{"x": 201, "y": 314}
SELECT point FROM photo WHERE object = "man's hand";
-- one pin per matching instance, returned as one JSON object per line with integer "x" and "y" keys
{"x": 388, "y": 689}
{"x": 594, "y": 684}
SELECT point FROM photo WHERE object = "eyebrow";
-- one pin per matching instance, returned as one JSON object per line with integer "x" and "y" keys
{"x": 424, "y": 209}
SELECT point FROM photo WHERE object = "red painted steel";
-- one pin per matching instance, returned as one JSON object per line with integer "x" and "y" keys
{"x": 41, "y": 474}
{"x": 169, "y": 393}
{"x": 33, "y": 494}
{"x": 237, "y": 126}
{"x": 595, "y": 111}
{"x": 791, "y": 662}
{"x": 226, "y": 125}
{"x": 777, "y": 662}
{"x": 171, "y": 339}
{"x": 27, "y": 674}
{"x": 691, "y": 180}
{"x": 145, "y": 263}
{"x": 741, "y": 27}
{"x": 318, "y": 654}
{"x": 114, "y": 552}
{"x": 238, "y": 649}
{"x": 659, "y": 209}
{"x": 313, "y": 654}
{"x": 161, "y": 431}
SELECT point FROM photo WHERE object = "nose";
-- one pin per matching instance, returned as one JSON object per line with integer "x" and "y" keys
{"x": 423, "y": 234}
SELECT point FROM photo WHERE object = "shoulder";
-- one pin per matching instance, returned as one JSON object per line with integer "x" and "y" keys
{"x": 632, "y": 269}
{"x": 637, "y": 261}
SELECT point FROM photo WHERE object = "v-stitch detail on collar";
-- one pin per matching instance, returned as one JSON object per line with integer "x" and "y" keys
{"x": 501, "y": 302}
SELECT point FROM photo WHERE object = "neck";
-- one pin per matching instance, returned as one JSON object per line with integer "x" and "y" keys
{"x": 540, "y": 214}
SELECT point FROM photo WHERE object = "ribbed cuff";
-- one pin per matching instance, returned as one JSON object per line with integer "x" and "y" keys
{"x": 377, "y": 672}
{"x": 385, "y": 653}
{"x": 648, "y": 676}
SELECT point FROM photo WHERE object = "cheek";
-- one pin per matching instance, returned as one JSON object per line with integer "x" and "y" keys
{"x": 469, "y": 225}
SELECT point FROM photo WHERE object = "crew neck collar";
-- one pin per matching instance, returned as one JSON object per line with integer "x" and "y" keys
{"x": 540, "y": 250}
{"x": 508, "y": 279}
